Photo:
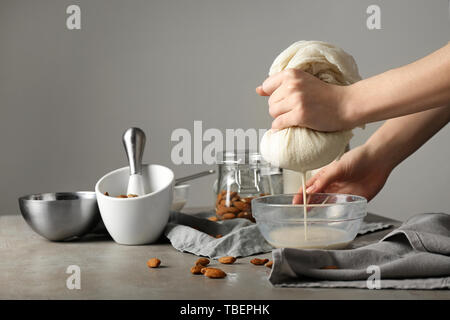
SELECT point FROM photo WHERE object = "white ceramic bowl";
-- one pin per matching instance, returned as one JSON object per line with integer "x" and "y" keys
{"x": 140, "y": 220}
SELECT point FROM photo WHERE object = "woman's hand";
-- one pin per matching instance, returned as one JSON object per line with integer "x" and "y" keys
{"x": 298, "y": 99}
{"x": 358, "y": 172}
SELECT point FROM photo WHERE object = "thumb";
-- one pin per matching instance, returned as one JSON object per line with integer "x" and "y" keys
{"x": 327, "y": 176}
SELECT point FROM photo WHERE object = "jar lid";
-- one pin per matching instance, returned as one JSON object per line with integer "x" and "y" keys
{"x": 240, "y": 157}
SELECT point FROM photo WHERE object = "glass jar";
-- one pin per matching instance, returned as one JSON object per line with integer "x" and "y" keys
{"x": 243, "y": 176}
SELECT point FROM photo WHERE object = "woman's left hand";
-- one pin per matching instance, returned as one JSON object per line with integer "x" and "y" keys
{"x": 298, "y": 99}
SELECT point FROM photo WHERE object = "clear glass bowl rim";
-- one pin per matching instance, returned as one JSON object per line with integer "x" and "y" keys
{"x": 358, "y": 201}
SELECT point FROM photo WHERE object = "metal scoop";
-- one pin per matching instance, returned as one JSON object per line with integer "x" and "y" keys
{"x": 134, "y": 142}
{"x": 182, "y": 180}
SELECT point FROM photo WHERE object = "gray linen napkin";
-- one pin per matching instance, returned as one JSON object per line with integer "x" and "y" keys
{"x": 240, "y": 237}
{"x": 414, "y": 256}
{"x": 196, "y": 234}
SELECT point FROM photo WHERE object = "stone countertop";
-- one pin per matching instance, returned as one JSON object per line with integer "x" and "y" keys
{"x": 33, "y": 268}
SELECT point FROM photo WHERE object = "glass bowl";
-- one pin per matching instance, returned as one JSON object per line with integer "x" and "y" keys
{"x": 332, "y": 220}
{"x": 180, "y": 196}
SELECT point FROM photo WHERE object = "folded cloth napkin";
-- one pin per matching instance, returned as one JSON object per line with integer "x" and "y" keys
{"x": 196, "y": 234}
{"x": 414, "y": 256}
{"x": 238, "y": 237}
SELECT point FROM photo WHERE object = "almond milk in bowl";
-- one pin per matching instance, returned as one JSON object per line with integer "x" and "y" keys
{"x": 332, "y": 220}
{"x": 137, "y": 220}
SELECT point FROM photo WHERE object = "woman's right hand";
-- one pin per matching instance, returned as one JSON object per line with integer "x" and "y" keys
{"x": 357, "y": 172}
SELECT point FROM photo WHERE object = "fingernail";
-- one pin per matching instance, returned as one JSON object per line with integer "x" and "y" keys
{"x": 310, "y": 189}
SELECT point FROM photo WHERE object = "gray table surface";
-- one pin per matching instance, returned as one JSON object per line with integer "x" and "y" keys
{"x": 34, "y": 268}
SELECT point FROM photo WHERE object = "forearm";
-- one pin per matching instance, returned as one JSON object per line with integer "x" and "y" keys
{"x": 400, "y": 137}
{"x": 419, "y": 86}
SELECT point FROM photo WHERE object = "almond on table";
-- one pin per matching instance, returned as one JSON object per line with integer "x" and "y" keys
{"x": 214, "y": 273}
{"x": 259, "y": 262}
{"x": 227, "y": 260}
{"x": 202, "y": 261}
{"x": 153, "y": 263}
{"x": 197, "y": 269}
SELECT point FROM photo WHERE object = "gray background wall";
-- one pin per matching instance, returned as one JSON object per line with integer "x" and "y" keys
{"x": 67, "y": 96}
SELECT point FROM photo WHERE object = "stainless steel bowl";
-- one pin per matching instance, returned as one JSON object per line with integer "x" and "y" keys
{"x": 61, "y": 216}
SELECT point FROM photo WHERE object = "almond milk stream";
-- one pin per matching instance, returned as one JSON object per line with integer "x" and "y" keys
{"x": 308, "y": 237}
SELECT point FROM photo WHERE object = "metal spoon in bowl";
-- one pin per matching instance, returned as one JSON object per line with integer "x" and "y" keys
{"x": 134, "y": 142}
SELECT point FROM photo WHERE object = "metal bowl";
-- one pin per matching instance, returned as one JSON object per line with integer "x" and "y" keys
{"x": 61, "y": 216}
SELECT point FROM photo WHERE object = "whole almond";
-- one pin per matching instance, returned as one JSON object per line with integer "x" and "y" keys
{"x": 243, "y": 206}
{"x": 220, "y": 196}
{"x": 228, "y": 216}
{"x": 218, "y": 236}
{"x": 153, "y": 263}
{"x": 215, "y": 273}
{"x": 269, "y": 264}
{"x": 259, "y": 262}
{"x": 202, "y": 261}
{"x": 221, "y": 210}
{"x": 197, "y": 269}
{"x": 231, "y": 195}
{"x": 227, "y": 260}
